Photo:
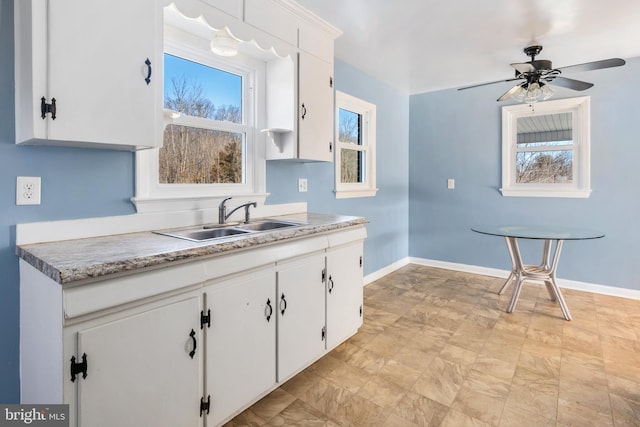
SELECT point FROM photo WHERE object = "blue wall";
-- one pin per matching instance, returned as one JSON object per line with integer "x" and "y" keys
{"x": 387, "y": 231}
{"x": 458, "y": 135}
{"x": 83, "y": 183}
{"x": 76, "y": 183}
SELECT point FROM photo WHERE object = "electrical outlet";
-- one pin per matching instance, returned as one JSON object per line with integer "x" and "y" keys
{"x": 302, "y": 185}
{"x": 28, "y": 190}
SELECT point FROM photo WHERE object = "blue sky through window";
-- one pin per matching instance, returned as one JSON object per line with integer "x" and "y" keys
{"x": 221, "y": 87}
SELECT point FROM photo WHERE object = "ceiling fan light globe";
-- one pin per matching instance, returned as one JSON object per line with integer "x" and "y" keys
{"x": 547, "y": 92}
{"x": 520, "y": 93}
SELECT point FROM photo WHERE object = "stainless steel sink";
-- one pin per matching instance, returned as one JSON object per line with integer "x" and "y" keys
{"x": 268, "y": 225}
{"x": 219, "y": 231}
{"x": 200, "y": 234}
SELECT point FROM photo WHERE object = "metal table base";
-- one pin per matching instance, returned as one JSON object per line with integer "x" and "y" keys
{"x": 545, "y": 272}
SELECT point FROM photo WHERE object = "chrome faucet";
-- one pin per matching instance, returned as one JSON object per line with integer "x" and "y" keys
{"x": 223, "y": 215}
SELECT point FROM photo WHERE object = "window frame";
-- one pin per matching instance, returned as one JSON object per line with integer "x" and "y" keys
{"x": 151, "y": 195}
{"x": 581, "y": 148}
{"x": 367, "y": 110}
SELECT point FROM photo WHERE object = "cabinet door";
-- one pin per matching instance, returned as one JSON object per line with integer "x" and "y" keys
{"x": 241, "y": 342}
{"x": 301, "y": 315}
{"x": 315, "y": 115}
{"x": 97, "y": 53}
{"x": 344, "y": 293}
{"x": 139, "y": 369}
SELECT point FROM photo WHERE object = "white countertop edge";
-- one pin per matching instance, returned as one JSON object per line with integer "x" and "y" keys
{"x": 53, "y": 231}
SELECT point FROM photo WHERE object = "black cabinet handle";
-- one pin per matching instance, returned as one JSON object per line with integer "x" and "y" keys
{"x": 330, "y": 284}
{"x": 193, "y": 337}
{"x": 283, "y": 301}
{"x": 148, "y": 78}
{"x": 268, "y": 310}
{"x": 304, "y": 111}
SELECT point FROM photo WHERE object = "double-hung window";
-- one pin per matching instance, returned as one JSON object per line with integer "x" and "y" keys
{"x": 210, "y": 148}
{"x": 355, "y": 148}
{"x": 206, "y": 141}
{"x": 545, "y": 151}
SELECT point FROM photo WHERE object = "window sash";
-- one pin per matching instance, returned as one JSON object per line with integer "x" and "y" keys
{"x": 365, "y": 145}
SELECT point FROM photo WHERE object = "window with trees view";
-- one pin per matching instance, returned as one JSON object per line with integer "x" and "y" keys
{"x": 546, "y": 149}
{"x": 205, "y": 143}
{"x": 355, "y": 153}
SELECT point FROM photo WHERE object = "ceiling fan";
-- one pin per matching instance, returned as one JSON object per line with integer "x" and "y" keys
{"x": 537, "y": 73}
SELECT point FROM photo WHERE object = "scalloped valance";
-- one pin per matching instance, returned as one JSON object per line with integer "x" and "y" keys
{"x": 202, "y": 20}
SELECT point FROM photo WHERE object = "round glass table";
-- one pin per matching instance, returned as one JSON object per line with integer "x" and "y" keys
{"x": 546, "y": 270}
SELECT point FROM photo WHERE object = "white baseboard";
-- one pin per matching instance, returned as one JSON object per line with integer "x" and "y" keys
{"x": 563, "y": 283}
{"x": 385, "y": 270}
{"x": 495, "y": 272}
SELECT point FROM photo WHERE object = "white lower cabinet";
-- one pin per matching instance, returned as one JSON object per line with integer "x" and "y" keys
{"x": 240, "y": 343}
{"x": 301, "y": 313}
{"x": 141, "y": 370}
{"x": 189, "y": 345}
{"x": 344, "y": 293}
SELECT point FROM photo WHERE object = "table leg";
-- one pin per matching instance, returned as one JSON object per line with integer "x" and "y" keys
{"x": 554, "y": 285}
{"x": 544, "y": 264}
{"x": 512, "y": 275}
{"x": 517, "y": 272}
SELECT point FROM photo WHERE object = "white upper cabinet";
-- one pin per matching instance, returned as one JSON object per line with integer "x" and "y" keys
{"x": 315, "y": 114}
{"x": 100, "y": 61}
{"x": 272, "y": 18}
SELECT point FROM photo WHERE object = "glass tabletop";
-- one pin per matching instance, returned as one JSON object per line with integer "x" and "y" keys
{"x": 544, "y": 232}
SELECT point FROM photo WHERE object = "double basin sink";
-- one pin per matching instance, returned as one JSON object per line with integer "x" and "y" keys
{"x": 218, "y": 231}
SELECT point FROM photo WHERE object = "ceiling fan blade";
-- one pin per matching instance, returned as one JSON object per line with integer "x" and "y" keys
{"x": 509, "y": 93}
{"x": 569, "y": 83}
{"x": 524, "y": 67}
{"x": 596, "y": 65}
{"x": 489, "y": 83}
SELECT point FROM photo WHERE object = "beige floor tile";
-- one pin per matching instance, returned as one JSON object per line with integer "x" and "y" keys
{"x": 298, "y": 414}
{"x": 437, "y": 349}
{"x": 246, "y": 419}
{"x": 420, "y": 410}
{"x": 326, "y": 397}
{"x": 361, "y": 412}
{"x": 456, "y": 418}
{"x": 626, "y": 412}
{"x": 479, "y": 405}
{"x": 573, "y": 415}
{"x": 382, "y": 392}
{"x": 592, "y": 396}
{"x": 399, "y": 373}
{"x": 513, "y": 416}
{"x": 396, "y": 421}
{"x": 349, "y": 377}
{"x": 441, "y": 381}
{"x": 272, "y": 404}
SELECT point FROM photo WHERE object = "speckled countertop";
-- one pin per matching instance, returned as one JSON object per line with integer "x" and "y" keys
{"x": 69, "y": 261}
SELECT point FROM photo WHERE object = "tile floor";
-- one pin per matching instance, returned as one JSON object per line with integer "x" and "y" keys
{"x": 438, "y": 349}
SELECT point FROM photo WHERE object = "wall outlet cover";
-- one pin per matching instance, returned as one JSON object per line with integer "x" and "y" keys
{"x": 28, "y": 190}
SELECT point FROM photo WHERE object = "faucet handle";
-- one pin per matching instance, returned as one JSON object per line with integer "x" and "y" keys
{"x": 246, "y": 210}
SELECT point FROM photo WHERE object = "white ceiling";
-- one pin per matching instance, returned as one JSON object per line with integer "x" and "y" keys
{"x": 426, "y": 45}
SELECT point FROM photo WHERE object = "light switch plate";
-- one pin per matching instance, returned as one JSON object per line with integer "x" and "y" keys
{"x": 302, "y": 185}
{"x": 451, "y": 184}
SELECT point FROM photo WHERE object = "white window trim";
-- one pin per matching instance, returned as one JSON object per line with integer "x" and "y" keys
{"x": 368, "y": 112}
{"x": 151, "y": 196}
{"x": 581, "y": 187}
